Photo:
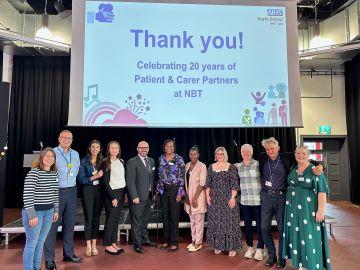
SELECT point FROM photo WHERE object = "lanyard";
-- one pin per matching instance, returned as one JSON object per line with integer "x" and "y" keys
{"x": 271, "y": 173}
{"x": 65, "y": 157}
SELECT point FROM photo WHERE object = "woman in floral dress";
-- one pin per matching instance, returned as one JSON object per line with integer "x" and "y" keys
{"x": 222, "y": 184}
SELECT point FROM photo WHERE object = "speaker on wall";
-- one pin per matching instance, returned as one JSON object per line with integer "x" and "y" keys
{"x": 4, "y": 116}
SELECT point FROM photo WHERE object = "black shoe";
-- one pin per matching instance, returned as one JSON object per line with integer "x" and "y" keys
{"x": 139, "y": 249}
{"x": 50, "y": 265}
{"x": 149, "y": 244}
{"x": 281, "y": 263}
{"x": 173, "y": 248}
{"x": 118, "y": 252}
{"x": 271, "y": 261}
{"x": 73, "y": 259}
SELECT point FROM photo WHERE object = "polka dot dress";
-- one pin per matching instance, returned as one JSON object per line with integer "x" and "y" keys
{"x": 304, "y": 240}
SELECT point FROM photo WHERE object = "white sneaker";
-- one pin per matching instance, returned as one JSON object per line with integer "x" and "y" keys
{"x": 259, "y": 254}
{"x": 249, "y": 253}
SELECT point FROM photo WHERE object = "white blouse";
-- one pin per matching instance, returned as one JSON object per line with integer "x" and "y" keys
{"x": 117, "y": 175}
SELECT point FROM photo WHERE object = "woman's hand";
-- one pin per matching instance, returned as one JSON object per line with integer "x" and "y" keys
{"x": 33, "y": 222}
{"x": 232, "y": 202}
{"x": 208, "y": 199}
{"x": 114, "y": 202}
{"x": 55, "y": 217}
{"x": 320, "y": 216}
{"x": 194, "y": 202}
{"x": 178, "y": 198}
{"x": 100, "y": 174}
{"x": 187, "y": 200}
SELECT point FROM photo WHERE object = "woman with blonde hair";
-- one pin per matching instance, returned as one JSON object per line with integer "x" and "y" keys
{"x": 222, "y": 184}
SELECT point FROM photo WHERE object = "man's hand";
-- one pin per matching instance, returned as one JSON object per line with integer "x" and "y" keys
{"x": 136, "y": 200}
{"x": 318, "y": 170}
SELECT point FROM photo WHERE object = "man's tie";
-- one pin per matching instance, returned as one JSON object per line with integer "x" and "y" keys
{"x": 147, "y": 162}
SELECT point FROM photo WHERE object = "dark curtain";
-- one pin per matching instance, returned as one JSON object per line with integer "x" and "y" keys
{"x": 352, "y": 99}
{"x": 39, "y": 109}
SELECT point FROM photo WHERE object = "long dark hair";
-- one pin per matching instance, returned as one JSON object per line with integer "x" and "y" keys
{"x": 107, "y": 161}
{"x": 99, "y": 156}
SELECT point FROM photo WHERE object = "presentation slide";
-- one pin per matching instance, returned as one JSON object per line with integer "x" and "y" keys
{"x": 185, "y": 65}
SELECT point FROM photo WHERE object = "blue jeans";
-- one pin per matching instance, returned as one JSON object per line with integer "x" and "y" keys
{"x": 35, "y": 238}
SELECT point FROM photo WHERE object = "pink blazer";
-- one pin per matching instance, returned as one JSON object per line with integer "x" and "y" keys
{"x": 197, "y": 177}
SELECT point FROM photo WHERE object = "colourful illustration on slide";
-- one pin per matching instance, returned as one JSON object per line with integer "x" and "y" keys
{"x": 246, "y": 119}
{"x": 276, "y": 115}
{"x": 111, "y": 114}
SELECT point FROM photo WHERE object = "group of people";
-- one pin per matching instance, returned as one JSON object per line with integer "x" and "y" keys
{"x": 283, "y": 185}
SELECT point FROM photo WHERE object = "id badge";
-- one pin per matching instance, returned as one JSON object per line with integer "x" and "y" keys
{"x": 70, "y": 173}
{"x": 301, "y": 179}
{"x": 95, "y": 182}
{"x": 171, "y": 163}
{"x": 268, "y": 183}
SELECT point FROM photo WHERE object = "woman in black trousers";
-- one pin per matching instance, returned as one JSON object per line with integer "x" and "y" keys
{"x": 89, "y": 177}
{"x": 171, "y": 186}
{"x": 114, "y": 183}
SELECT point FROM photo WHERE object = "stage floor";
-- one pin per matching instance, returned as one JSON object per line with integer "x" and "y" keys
{"x": 344, "y": 248}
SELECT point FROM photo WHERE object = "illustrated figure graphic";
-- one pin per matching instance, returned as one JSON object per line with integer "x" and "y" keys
{"x": 246, "y": 119}
{"x": 259, "y": 98}
{"x": 271, "y": 93}
{"x": 259, "y": 117}
{"x": 105, "y": 13}
{"x": 273, "y": 114}
{"x": 281, "y": 89}
{"x": 283, "y": 112}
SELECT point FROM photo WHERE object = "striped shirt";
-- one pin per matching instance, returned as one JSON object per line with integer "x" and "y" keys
{"x": 41, "y": 191}
{"x": 250, "y": 184}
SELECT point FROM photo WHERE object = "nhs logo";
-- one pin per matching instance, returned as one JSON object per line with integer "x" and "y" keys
{"x": 274, "y": 12}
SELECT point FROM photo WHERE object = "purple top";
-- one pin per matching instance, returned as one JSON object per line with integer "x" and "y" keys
{"x": 171, "y": 172}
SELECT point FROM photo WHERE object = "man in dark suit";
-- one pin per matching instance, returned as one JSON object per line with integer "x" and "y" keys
{"x": 274, "y": 168}
{"x": 140, "y": 183}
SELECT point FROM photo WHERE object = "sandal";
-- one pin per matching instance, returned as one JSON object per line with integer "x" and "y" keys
{"x": 164, "y": 246}
{"x": 232, "y": 253}
{"x": 88, "y": 253}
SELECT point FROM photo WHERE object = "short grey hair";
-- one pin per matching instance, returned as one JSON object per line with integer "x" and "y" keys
{"x": 247, "y": 146}
{"x": 221, "y": 148}
{"x": 303, "y": 147}
{"x": 272, "y": 140}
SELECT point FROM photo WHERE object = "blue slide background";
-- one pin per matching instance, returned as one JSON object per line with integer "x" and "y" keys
{"x": 113, "y": 97}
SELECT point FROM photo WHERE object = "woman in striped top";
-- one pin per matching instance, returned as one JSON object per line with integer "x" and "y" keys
{"x": 41, "y": 206}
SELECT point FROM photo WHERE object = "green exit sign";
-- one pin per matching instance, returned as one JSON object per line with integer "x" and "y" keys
{"x": 325, "y": 130}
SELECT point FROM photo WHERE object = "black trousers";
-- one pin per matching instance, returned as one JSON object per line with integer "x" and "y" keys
{"x": 140, "y": 215}
{"x": 112, "y": 217}
{"x": 272, "y": 204}
{"x": 171, "y": 210}
{"x": 92, "y": 204}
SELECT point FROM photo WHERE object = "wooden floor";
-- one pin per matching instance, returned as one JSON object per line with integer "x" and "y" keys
{"x": 344, "y": 248}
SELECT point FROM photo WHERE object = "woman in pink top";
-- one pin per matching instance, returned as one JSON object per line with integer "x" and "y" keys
{"x": 195, "y": 198}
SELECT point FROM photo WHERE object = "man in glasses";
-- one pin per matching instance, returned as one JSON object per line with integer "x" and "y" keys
{"x": 140, "y": 183}
{"x": 67, "y": 164}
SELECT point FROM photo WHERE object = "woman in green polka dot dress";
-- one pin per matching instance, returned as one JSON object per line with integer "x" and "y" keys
{"x": 305, "y": 237}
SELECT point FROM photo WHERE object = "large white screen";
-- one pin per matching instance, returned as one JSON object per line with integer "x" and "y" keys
{"x": 185, "y": 65}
